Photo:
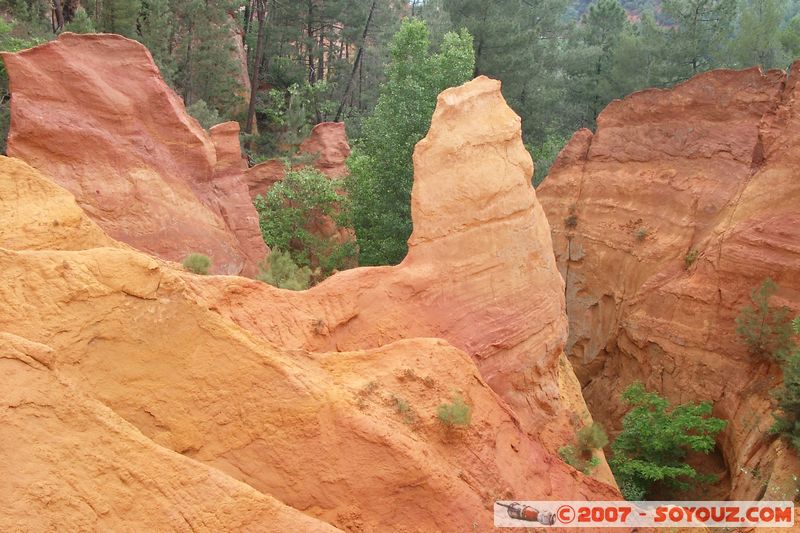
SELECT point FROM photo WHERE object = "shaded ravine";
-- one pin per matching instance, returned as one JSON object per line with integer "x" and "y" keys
{"x": 706, "y": 166}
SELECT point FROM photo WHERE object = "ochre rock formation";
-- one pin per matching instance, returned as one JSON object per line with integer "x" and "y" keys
{"x": 36, "y": 214}
{"x": 478, "y": 252}
{"x": 664, "y": 220}
{"x": 72, "y": 464}
{"x": 327, "y": 147}
{"x": 92, "y": 112}
{"x": 133, "y": 383}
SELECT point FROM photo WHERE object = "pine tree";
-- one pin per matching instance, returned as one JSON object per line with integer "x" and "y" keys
{"x": 790, "y": 37}
{"x": 81, "y": 23}
{"x": 604, "y": 25}
{"x": 758, "y": 39}
{"x": 157, "y": 29}
{"x": 119, "y": 16}
{"x": 520, "y": 43}
{"x": 206, "y": 68}
{"x": 763, "y": 328}
{"x": 700, "y": 32}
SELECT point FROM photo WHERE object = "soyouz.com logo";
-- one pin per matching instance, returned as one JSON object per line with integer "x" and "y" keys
{"x": 554, "y": 514}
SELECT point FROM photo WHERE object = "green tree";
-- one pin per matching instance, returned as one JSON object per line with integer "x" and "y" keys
{"x": 205, "y": 60}
{"x": 206, "y": 116}
{"x": 522, "y": 43}
{"x": 758, "y": 39}
{"x": 766, "y": 330}
{"x": 544, "y": 155}
{"x": 156, "y": 33}
{"x": 291, "y": 214}
{"x": 790, "y": 37}
{"x": 312, "y": 42}
{"x": 119, "y": 16}
{"x": 381, "y": 170}
{"x": 604, "y": 25}
{"x": 642, "y": 59}
{"x": 700, "y": 33}
{"x": 787, "y": 419}
{"x": 655, "y": 440}
{"x": 81, "y": 23}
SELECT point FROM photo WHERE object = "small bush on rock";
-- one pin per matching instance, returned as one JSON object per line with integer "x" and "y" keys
{"x": 580, "y": 455}
{"x": 197, "y": 263}
{"x": 455, "y": 414}
{"x": 690, "y": 257}
{"x": 765, "y": 330}
{"x": 280, "y": 271}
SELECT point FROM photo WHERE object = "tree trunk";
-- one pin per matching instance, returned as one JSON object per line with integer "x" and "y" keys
{"x": 261, "y": 9}
{"x": 310, "y": 40}
{"x": 58, "y": 16}
{"x": 320, "y": 68}
{"x": 356, "y": 62}
{"x": 321, "y": 54}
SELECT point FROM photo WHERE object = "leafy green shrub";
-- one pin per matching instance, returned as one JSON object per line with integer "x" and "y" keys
{"x": 765, "y": 330}
{"x": 280, "y": 271}
{"x": 655, "y": 440}
{"x": 454, "y": 414}
{"x": 631, "y": 491}
{"x": 381, "y": 170}
{"x": 197, "y": 263}
{"x": 291, "y": 214}
{"x": 690, "y": 257}
{"x": 580, "y": 455}
{"x": 787, "y": 419}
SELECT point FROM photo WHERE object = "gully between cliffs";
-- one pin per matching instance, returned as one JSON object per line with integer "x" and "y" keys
{"x": 664, "y": 220}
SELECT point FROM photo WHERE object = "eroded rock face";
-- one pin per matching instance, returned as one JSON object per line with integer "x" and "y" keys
{"x": 36, "y": 214}
{"x": 664, "y": 220}
{"x": 478, "y": 251}
{"x": 92, "y": 112}
{"x": 71, "y": 463}
{"x": 327, "y": 147}
{"x": 323, "y": 401}
{"x": 328, "y": 143}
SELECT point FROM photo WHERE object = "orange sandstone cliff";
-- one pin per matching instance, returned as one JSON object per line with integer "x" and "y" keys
{"x": 93, "y": 113}
{"x": 145, "y": 397}
{"x": 664, "y": 220}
